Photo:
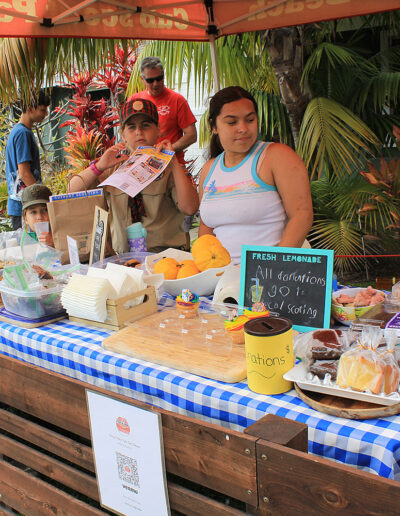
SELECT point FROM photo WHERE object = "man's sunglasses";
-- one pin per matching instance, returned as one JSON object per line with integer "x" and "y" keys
{"x": 150, "y": 80}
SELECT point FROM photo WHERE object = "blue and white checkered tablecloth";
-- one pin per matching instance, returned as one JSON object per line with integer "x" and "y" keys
{"x": 75, "y": 350}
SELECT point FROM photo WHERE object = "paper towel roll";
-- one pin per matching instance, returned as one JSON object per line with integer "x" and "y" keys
{"x": 228, "y": 287}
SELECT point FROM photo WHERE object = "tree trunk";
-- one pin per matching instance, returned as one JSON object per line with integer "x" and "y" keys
{"x": 286, "y": 51}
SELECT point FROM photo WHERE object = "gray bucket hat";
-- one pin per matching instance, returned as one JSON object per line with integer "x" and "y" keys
{"x": 35, "y": 194}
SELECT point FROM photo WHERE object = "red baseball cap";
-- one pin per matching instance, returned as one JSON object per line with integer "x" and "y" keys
{"x": 135, "y": 106}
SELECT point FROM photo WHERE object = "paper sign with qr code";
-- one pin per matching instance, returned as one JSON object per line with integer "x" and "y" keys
{"x": 129, "y": 456}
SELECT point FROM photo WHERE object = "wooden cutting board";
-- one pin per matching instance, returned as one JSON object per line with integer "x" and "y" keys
{"x": 190, "y": 352}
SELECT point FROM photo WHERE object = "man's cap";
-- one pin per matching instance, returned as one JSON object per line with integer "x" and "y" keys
{"x": 35, "y": 194}
{"x": 139, "y": 107}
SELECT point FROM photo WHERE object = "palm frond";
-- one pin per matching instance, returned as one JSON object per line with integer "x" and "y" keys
{"x": 331, "y": 133}
{"x": 241, "y": 61}
{"x": 333, "y": 54}
{"x": 28, "y": 64}
{"x": 382, "y": 90}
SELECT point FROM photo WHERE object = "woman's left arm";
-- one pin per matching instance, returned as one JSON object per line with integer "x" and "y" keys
{"x": 291, "y": 180}
{"x": 187, "y": 196}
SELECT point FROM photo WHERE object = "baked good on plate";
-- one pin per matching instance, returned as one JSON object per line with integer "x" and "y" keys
{"x": 187, "y": 304}
{"x": 257, "y": 310}
{"x": 234, "y": 327}
{"x": 363, "y": 373}
{"x": 132, "y": 263}
{"x": 327, "y": 344}
{"x": 322, "y": 367}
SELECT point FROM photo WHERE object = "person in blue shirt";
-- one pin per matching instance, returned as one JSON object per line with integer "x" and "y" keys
{"x": 22, "y": 156}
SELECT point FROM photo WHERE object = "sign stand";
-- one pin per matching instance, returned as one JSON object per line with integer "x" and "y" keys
{"x": 128, "y": 455}
{"x": 294, "y": 282}
{"x": 99, "y": 235}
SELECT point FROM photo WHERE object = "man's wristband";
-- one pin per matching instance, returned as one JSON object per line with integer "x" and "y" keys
{"x": 94, "y": 169}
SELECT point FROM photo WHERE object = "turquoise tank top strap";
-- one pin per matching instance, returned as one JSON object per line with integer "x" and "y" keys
{"x": 212, "y": 169}
{"x": 254, "y": 175}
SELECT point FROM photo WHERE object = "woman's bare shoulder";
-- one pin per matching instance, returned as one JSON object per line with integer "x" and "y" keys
{"x": 278, "y": 154}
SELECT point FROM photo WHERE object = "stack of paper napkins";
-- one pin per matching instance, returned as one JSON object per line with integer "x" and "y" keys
{"x": 86, "y": 296}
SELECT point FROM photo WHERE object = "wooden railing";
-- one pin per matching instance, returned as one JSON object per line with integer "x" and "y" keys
{"x": 47, "y": 468}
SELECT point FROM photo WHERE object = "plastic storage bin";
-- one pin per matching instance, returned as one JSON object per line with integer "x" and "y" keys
{"x": 120, "y": 259}
{"x": 33, "y": 304}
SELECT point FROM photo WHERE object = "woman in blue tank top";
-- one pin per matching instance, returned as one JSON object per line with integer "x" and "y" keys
{"x": 251, "y": 192}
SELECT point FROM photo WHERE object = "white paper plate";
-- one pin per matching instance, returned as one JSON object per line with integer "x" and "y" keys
{"x": 298, "y": 374}
{"x": 202, "y": 284}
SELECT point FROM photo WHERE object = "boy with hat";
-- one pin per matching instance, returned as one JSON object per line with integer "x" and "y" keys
{"x": 162, "y": 205}
{"x": 22, "y": 155}
{"x": 34, "y": 200}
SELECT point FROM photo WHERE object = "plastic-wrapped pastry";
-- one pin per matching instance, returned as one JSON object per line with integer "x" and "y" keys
{"x": 323, "y": 367}
{"x": 327, "y": 344}
{"x": 369, "y": 366}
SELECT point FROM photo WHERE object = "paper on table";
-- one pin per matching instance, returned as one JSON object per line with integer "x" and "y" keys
{"x": 140, "y": 170}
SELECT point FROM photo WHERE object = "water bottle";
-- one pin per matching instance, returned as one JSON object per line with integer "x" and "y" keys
{"x": 136, "y": 237}
{"x": 334, "y": 283}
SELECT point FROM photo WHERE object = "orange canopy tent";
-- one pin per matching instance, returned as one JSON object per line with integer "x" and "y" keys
{"x": 196, "y": 20}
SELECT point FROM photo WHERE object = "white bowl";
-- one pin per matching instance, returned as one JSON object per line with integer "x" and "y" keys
{"x": 347, "y": 314}
{"x": 202, "y": 284}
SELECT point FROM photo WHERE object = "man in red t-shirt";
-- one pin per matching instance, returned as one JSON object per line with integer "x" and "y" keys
{"x": 176, "y": 120}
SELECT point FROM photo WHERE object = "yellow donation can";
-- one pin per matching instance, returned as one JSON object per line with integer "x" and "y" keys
{"x": 269, "y": 354}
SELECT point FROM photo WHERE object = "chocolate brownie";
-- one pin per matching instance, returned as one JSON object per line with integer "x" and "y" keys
{"x": 322, "y": 367}
{"x": 327, "y": 344}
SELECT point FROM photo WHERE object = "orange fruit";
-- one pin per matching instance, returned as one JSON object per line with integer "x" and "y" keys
{"x": 187, "y": 268}
{"x": 208, "y": 252}
{"x": 168, "y": 267}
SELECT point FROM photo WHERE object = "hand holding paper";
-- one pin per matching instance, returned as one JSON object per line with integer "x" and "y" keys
{"x": 140, "y": 169}
{"x": 112, "y": 157}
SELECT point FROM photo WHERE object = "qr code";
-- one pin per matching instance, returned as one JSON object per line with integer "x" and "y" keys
{"x": 127, "y": 469}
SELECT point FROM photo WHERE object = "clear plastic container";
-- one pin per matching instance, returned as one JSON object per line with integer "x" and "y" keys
{"x": 34, "y": 304}
{"x": 121, "y": 259}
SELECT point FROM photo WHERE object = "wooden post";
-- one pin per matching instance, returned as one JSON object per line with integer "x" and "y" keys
{"x": 279, "y": 430}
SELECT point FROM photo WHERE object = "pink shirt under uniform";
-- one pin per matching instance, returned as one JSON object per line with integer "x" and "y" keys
{"x": 240, "y": 207}
{"x": 174, "y": 115}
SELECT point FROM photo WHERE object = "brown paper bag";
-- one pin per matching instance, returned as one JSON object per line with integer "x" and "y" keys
{"x": 74, "y": 217}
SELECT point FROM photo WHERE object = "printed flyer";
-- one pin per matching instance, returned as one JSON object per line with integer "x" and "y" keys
{"x": 140, "y": 170}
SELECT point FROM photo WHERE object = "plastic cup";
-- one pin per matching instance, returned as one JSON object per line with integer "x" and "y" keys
{"x": 218, "y": 343}
{"x": 41, "y": 227}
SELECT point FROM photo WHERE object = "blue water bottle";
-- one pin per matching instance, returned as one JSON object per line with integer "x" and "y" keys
{"x": 334, "y": 283}
{"x": 136, "y": 237}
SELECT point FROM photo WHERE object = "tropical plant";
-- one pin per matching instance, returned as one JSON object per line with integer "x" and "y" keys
{"x": 58, "y": 178}
{"x": 347, "y": 90}
{"x": 92, "y": 122}
{"x": 241, "y": 60}
{"x": 354, "y": 216}
{"x": 36, "y": 62}
{"x": 6, "y": 123}
{"x": 82, "y": 147}
{"x": 385, "y": 176}
{"x": 327, "y": 89}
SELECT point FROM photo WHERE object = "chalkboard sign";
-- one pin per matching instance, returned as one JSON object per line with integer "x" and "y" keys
{"x": 99, "y": 235}
{"x": 295, "y": 283}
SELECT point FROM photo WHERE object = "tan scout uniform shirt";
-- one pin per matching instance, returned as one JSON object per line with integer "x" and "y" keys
{"x": 163, "y": 220}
